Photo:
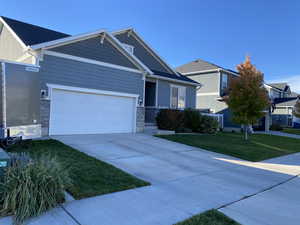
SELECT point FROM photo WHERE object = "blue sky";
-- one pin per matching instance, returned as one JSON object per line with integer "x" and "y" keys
{"x": 219, "y": 31}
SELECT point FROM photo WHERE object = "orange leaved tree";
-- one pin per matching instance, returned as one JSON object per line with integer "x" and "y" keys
{"x": 247, "y": 98}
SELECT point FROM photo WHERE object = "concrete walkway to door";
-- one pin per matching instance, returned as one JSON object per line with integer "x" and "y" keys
{"x": 185, "y": 181}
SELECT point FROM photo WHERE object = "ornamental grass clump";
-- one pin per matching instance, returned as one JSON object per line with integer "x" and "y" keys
{"x": 30, "y": 189}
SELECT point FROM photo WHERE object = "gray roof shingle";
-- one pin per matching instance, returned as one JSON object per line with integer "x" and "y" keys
{"x": 32, "y": 34}
{"x": 196, "y": 65}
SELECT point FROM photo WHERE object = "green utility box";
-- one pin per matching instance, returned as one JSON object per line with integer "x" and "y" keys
{"x": 4, "y": 161}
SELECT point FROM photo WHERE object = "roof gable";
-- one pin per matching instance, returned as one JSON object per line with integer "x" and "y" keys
{"x": 143, "y": 51}
{"x": 32, "y": 34}
{"x": 281, "y": 86}
{"x": 197, "y": 66}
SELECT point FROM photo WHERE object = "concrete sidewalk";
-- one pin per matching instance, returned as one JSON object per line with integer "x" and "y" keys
{"x": 185, "y": 181}
{"x": 278, "y": 133}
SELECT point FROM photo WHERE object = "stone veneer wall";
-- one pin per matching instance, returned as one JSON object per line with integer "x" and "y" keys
{"x": 140, "y": 119}
{"x": 45, "y": 116}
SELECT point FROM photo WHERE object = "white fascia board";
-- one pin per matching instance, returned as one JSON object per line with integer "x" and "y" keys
{"x": 200, "y": 72}
{"x": 13, "y": 33}
{"x": 148, "y": 47}
{"x": 209, "y": 71}
{"x": 66, "y": 40}
{"x": 91, "y": 61}
{"x": 208, "y": 94}
{"x": 227, "y": 71}
{"x": 173, "y": 80}
{"x": 91, "y": 91}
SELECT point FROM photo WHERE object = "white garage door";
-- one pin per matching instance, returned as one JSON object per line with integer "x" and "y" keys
{"x": 74, "y": 112}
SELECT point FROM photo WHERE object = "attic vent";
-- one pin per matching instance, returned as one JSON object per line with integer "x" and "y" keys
{"x": 129, "y": 48}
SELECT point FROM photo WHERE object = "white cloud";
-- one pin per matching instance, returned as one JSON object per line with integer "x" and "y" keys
{"x": 293, "y": 81}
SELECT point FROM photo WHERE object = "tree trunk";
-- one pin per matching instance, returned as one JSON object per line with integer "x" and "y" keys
{"x": 246, "y": 132}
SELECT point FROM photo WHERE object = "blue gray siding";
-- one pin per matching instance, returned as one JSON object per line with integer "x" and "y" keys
{"x": 141, "y": 52}
{"x": 164, "y": 96}
{"x": 68, "y": 72}
{"x": 22, "y": 96}
{"x": 93, "y": 49}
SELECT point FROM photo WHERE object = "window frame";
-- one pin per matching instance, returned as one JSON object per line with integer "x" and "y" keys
{"x": 223, "y": 89}
{"x": 129, "y": 48}
{"x": 181, "y": 90}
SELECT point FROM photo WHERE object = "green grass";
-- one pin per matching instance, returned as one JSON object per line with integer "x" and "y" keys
{"x": 211, "y": 217}
{"x": 258, "y": 148}
{"x": 291, "y": 131}
{"x": 90, "y": 176}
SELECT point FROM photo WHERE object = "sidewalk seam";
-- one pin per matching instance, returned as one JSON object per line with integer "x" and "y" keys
{"x": 262, "y": 191}
{"x": 70, "y": 215}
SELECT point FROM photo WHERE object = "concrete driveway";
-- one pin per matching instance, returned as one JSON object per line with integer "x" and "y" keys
{"x": 185, "y": 181}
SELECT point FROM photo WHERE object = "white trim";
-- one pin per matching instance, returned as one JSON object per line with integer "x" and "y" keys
{"x": 18, "y": 63}
{"x": 89, "y": 90}
{"x": 148, "y": 47}
{"x": 13, "y": 33}
{"x": 207, "y": 93}
{"x": 3, "y": 94}
{"x": 144, "y": 91}
{"x": 179, "y": 87}
{"x": 219, "y": 82}
{"x": 174, "y": 80}
{"x": 94, "y": 91}
{"x": 91, "y": 61}
{"x": 200, "y": 72}
{"x": 209, "y": 71}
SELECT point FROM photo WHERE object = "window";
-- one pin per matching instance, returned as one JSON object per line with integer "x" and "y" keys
{"x": 177, "y": 97}
{"x": 224, "y": 83}
{"x": 129, "y": 48}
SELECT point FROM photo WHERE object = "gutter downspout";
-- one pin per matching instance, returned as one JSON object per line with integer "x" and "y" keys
{"x": 3, "y": 85}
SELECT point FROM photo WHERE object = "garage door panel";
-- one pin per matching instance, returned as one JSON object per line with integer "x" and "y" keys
{"x": 86, "y": 113}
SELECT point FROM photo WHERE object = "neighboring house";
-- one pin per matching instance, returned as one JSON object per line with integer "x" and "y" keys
{"x": 283, "y": 100}
{"x": 95, "y": 82}
{"x": 214, "y": 82}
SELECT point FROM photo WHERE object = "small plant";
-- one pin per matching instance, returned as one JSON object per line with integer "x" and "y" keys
{"x": 192, "y": 119}
{"x": 29, "y": 189}
{"x": 276, "y": 127}
{"x": 208, "y": 125}
{"x": 170, "y": 119}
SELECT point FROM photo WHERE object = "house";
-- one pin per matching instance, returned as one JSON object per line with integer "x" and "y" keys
{"x": 283, "y": 100}
{"x": 97, "y": 82}
{"x": 214, "y": 82}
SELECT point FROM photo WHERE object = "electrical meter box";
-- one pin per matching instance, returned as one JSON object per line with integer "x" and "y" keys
{"x": 4, "y": 161}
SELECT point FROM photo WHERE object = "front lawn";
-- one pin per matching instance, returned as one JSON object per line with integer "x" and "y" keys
{"x": 211, "y": 217}
{"x": 258, "y": 148}
{"x": 291, "y": 131}
{"x": 90, "y": 176}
